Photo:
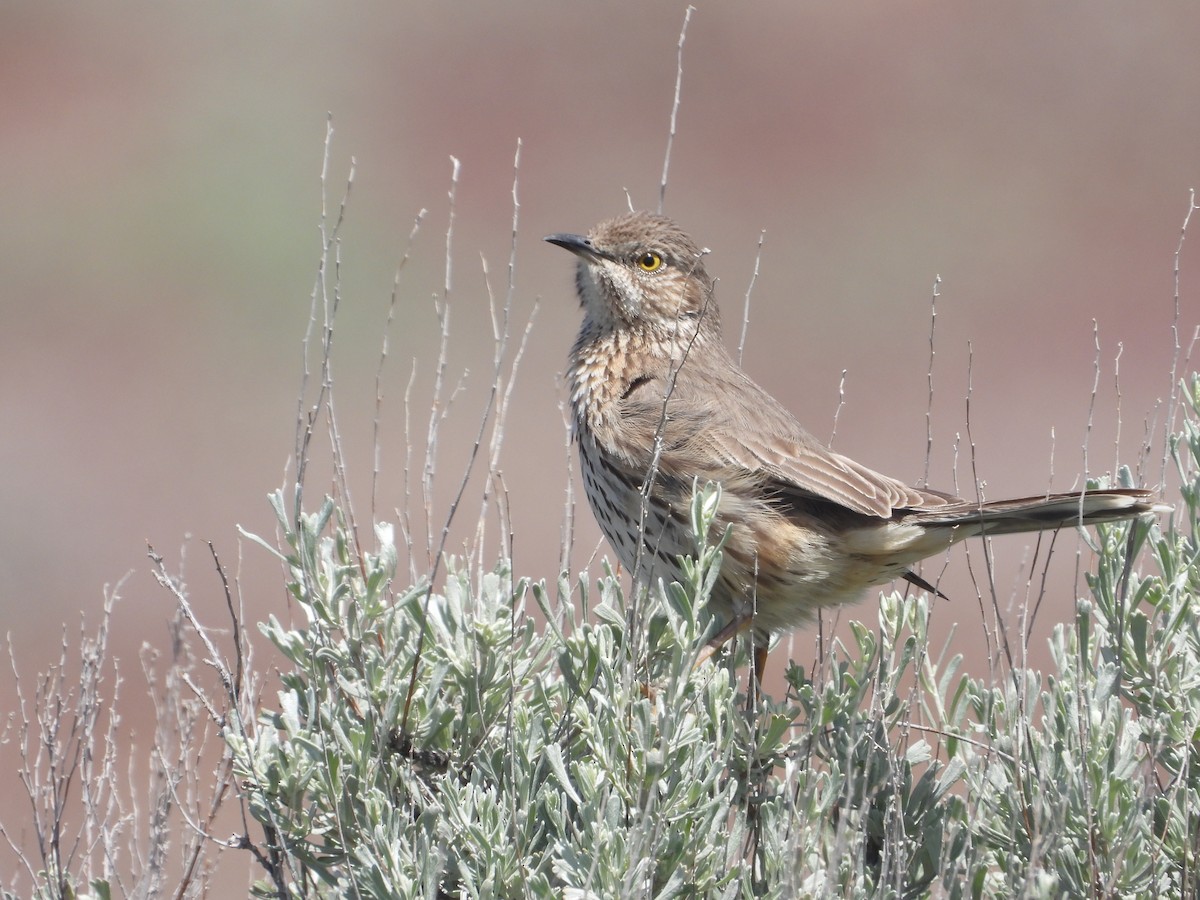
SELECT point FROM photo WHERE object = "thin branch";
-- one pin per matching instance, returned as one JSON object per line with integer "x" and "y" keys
{"x": 235, "y": 619}
{"x": 662, "y": 190}
{"x": 436, "y": 410}
{"x": 762, "y": 236}
{"x": 462, "y": 486}
{"x": 1087, "y": 432}
{"x": 937, "y": 284}
{"x": 404, "y": 514}
{"x": 1173, "y": 396}
{"x": 376, "y": 441}
{"x": 1117, "y": 393}
{"x": 837, "y": 413}
{"x": 214, "y": 657}
{"x": 306, "y": 422}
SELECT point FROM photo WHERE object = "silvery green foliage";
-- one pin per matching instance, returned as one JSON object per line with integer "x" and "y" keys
{"x": 1087, "y": 782}
{"x": 535, "y": 759}
{"x": 453, "y": 743}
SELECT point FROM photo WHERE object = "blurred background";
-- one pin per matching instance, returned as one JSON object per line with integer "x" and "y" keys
{"x": 160, "y": 240}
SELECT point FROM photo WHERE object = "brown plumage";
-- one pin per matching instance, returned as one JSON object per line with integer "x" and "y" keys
{"x": 655, "y": 394}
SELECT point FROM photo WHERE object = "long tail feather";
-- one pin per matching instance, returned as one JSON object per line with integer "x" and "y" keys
{"x": 1045, "y": 513}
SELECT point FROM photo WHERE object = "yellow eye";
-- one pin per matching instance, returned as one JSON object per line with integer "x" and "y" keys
{"x": 650, "y": 261}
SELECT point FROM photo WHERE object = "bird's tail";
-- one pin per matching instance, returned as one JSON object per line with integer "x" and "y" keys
{"x": 1044, "y": 513}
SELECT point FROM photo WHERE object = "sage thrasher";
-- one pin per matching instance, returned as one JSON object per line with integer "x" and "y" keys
{"x": 659, "y": 406}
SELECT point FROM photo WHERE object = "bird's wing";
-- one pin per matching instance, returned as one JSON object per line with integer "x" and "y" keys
{"x": 807, "y": 467}
{"x": 748, "y": 429}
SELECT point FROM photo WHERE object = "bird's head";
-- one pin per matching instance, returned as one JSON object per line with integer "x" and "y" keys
{"x": 641, "y": 271}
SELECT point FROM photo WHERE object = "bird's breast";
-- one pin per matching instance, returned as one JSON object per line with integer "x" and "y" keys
{"x": 597, "y": 376}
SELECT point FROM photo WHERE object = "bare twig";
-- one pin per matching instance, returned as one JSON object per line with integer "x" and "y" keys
{"x": 1117, "y": 396}
{"x": 987, "y": 547}
{"x": 215, "y": 658}
{"x": 662, "y": 190}
{"x": 404, "y": 514}
{"x": 86, "y": 820}
{"x": 567, "y": 535}
{"x": 330, "y": 235}
{"x": 1091, "y": 414}
{"x": 1173, "y": 396}
{"x": 462, "y": 486}
{"x": 436, "y": 408}
{"x": 236, "y": 624}
{"x": 500, "y": 339}
{"x": 762, "y": 236}
{"x": 933, "y": 299}
{"x": 236, "y": 718}
{"x": 837, "y": 412}
{"x": 377, "y": 442}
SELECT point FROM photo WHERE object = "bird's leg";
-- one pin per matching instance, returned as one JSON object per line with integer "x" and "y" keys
{"x": 737, "y": 626}
{"x": 760, "y": 662}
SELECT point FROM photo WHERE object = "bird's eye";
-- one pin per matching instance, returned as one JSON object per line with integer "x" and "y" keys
{"x": 650, "y": 261}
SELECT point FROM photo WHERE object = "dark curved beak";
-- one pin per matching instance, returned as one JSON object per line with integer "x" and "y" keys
{"x": 577, "y": 244}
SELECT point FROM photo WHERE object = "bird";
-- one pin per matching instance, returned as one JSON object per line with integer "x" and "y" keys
{"x": 659, "y": 407}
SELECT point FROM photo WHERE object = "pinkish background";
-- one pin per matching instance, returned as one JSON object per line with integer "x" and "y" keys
{"x": 161, "y": 197}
